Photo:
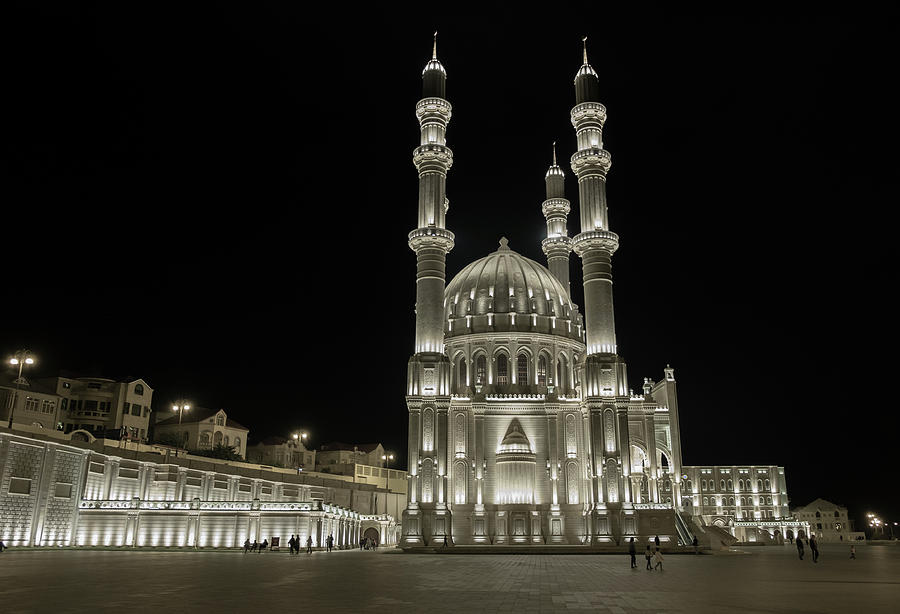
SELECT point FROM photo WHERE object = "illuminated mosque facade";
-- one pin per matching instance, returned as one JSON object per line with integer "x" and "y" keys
{"x": 522, "y": 426}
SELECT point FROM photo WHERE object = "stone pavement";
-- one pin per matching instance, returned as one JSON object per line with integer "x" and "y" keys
{"x": 766, "y": 579}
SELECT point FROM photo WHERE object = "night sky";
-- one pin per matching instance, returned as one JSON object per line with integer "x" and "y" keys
{"x": 218, "y": 200}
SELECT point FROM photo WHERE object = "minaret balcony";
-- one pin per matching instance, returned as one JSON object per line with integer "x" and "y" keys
{"x": 591, "y": 159}
{"x": 557, "y": 246}
{"x": 432, "y": 156}
{"x": 595, "y": 239}
{"x": 556, "y": 206}
{"x": 431, "y": 236}
{"x": 434, "y": 106}
{"x": 593, "y": 112}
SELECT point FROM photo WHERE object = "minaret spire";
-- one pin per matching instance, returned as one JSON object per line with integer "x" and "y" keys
{"x": 557, "y": 245}
{"x": 596, "y": 243}
{"x": 434, "y": 49}
{"x": 583, "y": 42}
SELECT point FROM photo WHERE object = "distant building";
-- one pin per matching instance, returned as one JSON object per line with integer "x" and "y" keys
{"x": 98, "y": 405}
{"x": 282, "y": 452}
{"x": 342, "y": 458}
{"x": 203, "y": 429}
{"x": 828, "y": 521}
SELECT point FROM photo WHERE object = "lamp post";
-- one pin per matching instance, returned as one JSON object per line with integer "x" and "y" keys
{"x": 387, "y": 458}
{"x": 181, "y": 408}
{"x": 300, "y": 437}
{"x": 22, "y": 358}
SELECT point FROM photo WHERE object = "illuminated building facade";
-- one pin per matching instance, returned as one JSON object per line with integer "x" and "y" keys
{"x": 522, "y": 424}
{"x": 67, "y": 493}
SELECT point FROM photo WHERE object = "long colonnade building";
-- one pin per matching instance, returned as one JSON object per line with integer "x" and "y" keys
{"x": 522, "y": 424}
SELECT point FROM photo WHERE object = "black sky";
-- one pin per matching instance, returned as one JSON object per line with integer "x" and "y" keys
{"x": 217, "y": 199}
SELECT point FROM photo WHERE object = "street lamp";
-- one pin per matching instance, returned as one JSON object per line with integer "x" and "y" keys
{"x": 301, "y": 436}
{"x": 181, "y": 408}
{"x": 387, "y": 458}
{"x": 22, "y": 358}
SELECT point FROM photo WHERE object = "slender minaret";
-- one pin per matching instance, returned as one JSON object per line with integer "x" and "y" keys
{"x": 595, "y": 244}
{"x": 431, "y": 240}
{"x": 428, "y": 371}
{"x": 557, "y": 245}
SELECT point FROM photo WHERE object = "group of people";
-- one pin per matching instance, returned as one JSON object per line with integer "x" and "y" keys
{"x": 255, "y": 546}
{"x": 293, "y": 543}
{"x": 367, "y": 543}
{"x": 654, "y": 557}
{"x": 814, "y": 548}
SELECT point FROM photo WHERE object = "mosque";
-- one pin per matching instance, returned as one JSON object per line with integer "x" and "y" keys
{"x": 523, "y": 428}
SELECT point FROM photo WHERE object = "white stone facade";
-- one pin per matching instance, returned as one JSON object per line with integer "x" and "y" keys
{"x": 54, "y": 494}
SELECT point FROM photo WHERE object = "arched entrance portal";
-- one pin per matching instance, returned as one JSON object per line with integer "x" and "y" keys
{"x": 371, "y": 536}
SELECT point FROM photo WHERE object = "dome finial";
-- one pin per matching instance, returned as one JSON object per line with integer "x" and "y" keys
{"x": 504, "y": 242}
{"x": 554, "y": 153}
{"x": 434, "y": 49}
{"x": 584, "y": 42}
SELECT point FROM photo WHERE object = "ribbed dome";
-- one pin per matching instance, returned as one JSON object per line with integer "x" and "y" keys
{"x": 515, "y": 441}
{"x": 503, "y": 283}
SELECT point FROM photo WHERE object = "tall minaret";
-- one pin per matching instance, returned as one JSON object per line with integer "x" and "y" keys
{"x": 431, "y": 240}
{"x": 595, "y": 244}
{"x": 428, "y": 372}
{"x": 557, "y": 245}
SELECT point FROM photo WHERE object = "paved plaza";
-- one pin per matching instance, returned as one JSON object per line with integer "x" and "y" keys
{"x": 766, "y": 579}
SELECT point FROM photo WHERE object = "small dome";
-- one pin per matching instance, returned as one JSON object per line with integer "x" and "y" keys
{"x": 506, "y": 291}
{"x": 434, "y": 64}
{"x": 554, "y": 171}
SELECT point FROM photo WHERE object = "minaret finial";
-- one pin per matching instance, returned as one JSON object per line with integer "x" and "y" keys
{"x": 584, "y": 42}
{"x": 434, "y": 49}
{"x": 554, "y": 153}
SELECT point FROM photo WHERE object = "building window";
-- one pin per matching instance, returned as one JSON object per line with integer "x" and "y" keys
{"x": 721, "y": 484}
{"x": 461, "y": 375}
{"x": 502, "y": 370}
{"x": 730, "y": 485}
{"x": 220, "y": 420}
{"x": 125, "y": 408}
{"x": 135, "y": 410}
{"x": 542, "y": 371}
{"x": 48, "y": 407}
{"x": 93, "y": 386}
{"x": 139, "y": 390}
{"x": 522, "y": 369}
{"x": 480, "y": 369}
{"x": 31, "y": 404}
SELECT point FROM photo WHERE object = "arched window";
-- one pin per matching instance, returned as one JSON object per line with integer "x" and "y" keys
{"x": 237, "y": 445}
{"x": 758, "y": 485}
{"x": 522, "y": 370}
{"x": 139, "y": 389}
{"x": 705, "y": 500}
{"x": 767, "y": 484}
{"x": 740, "y": 484}
{"x": 217, "y": 438}
{"x": 703, "y": 485}
{"x": 480, "y": 369}
{"x": 225, "y": 440}
{"x": 542, "y": 371}
{"x": 562, "y": 375}
{"x": 502, "y": 370}
{"x": 220, "y": 420}
{"x": 722, "y": 484}
{"x": 461, "y": 374}
{"x": 818, "y": 515}
{"x": 205, "y": 439}
{"x": 730, "y": 485}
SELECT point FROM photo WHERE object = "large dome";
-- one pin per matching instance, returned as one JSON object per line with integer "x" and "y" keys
{"x": 505, "y": 291}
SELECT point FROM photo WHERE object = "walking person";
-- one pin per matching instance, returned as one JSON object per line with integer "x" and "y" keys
{"x": 658, "y": 557}
{"x": 309, "y": 544}
{"x": 696, "y": 546}
{"x": 632, "y": 553}
{"x": 800, "y": 547}
{"x": 656, "y": 541}
{"x": 246, "y": 546}
{"x": 648, "y": 555}
{"x": 814, "y": 546}
{"x": 292, "y": 543}
{"x": 329, "y": 542}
